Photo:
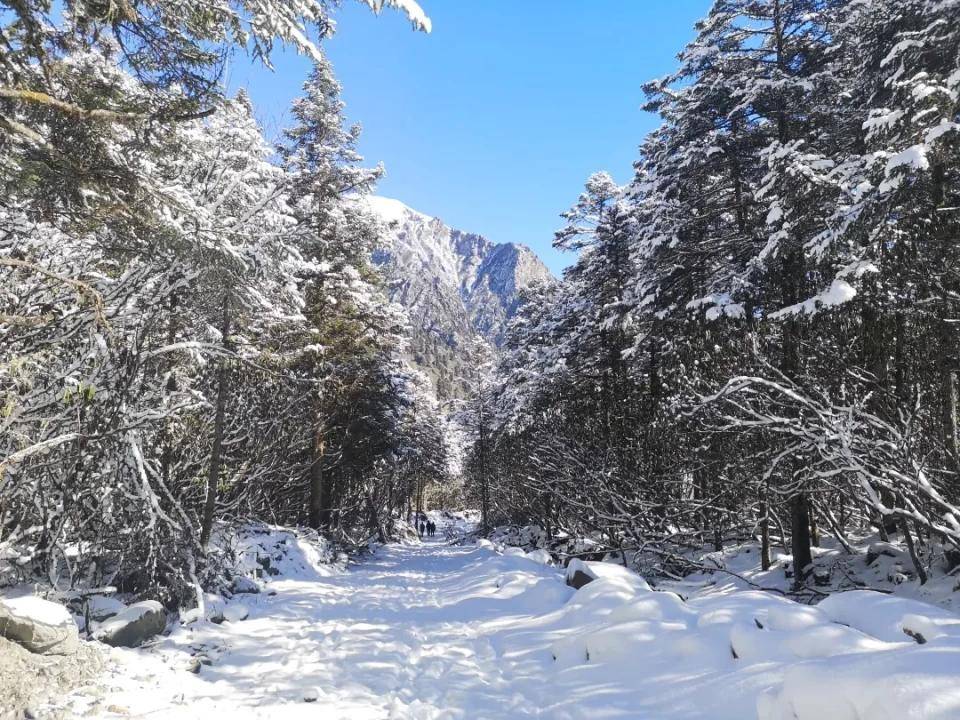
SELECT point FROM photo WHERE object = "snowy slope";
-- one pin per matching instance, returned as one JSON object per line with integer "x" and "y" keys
{"x": 460, "y": 289}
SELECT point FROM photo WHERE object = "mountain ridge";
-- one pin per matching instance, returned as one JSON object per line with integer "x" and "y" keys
{"x": 459, "y": 288}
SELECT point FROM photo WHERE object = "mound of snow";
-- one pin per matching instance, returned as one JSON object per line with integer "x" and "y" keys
{"x": 917, "y": 683}
{"x": 891, "y": 618}
{"x": 541, "y": 557}
{"x": 581, "y": 572}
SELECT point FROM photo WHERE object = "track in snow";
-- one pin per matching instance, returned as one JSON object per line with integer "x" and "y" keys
{"x": 434, "y": 632}
{"x": 414, "y": 632}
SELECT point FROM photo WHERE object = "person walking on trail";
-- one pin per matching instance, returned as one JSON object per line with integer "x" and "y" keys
{"x": 423, "y": 528}
{"x": 430, "y": 528}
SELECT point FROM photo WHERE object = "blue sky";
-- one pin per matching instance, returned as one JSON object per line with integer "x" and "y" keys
{"x": 494, "y": 120}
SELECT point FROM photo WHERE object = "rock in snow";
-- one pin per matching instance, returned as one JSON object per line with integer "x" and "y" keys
{"x": 581, "y": 572}
{"x": 38, "y": 625}
{"x": 245, "y": 586}
{"x": 103, "y": 608}
{"x": 134, "y": 626}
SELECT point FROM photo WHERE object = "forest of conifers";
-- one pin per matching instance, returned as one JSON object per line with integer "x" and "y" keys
{"x": 190, "y": 325}
{"x": 758, "y": 336}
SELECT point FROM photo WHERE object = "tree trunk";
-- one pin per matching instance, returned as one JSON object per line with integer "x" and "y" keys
{"x": 213, "y": 477}
{"x": 800, "y": 540}
{"x": 166, "y": 453}
{"x": 764, "y": 535}
{"x": 948, "y": 334}
{"x": 316, "y": 512}
{"x": 814, "y": 528}
{"x": 911, "y": 548}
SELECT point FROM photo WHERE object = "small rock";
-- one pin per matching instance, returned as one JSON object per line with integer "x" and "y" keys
{"x": 311, "y": 695}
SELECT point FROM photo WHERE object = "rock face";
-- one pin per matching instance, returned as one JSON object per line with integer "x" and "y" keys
{"x": 459, "y": 289}
{"x": 38, "y": 625}
{"x": 134, "y": 626}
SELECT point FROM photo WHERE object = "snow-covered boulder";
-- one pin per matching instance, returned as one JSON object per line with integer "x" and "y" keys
{"x": 884, "y": 549}
{"x": 245, "y": 586}
{"x": 917, "y": 682}
{"x": 134, "y": 626}
{"x": 212, "y": 611}
{"x": 236, "y": 613}
{"x": 103, "y": 608}
{"x": 891, "y": 618}
{"x": 582, "y": 572}
{"x": 38, "y": 625}
{"x": 541, "y": 557}
{"x": 532, "y": 536}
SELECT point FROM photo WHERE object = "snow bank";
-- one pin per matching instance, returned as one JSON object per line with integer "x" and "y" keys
{"x": 916, "y": 683}
{"x": 856, "y": 656}
{"x": 541, "y": 557}
{"x": 891, "y": 618}
{"x": 265, "y": 552}
{"x": 439, "y": 631}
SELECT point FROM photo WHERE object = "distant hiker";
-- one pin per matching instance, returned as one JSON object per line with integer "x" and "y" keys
{"x": 423, "y": 528}
{"x": 431, "y": 528}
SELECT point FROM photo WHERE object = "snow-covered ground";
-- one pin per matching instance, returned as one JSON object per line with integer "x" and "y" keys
{"x": 436, "y": 632}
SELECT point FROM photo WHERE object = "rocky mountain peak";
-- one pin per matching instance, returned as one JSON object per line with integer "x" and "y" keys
{"x": 459, "y": 288}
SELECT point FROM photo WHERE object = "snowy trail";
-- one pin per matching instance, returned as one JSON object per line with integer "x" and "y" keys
{"x": 434, "y": 632}
{"x": 409, "y": 633}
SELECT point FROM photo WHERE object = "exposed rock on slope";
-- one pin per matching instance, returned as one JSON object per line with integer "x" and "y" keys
{"x": 459, "y": 289}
